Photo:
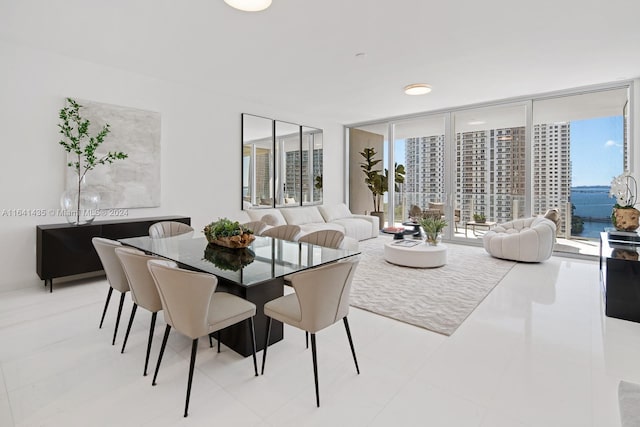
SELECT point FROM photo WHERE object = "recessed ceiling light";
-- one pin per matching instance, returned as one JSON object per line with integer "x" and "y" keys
{"x": 417, "y": 89}
{"x": 476, "y": 122}
{"x": 249, "y": 5}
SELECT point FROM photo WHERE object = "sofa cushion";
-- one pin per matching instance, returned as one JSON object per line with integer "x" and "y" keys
{"x": 304, "y": 215}
{"x": 258, "y": 214}
{"x": 359, "y": 229}
{"x": 333, "y": 212}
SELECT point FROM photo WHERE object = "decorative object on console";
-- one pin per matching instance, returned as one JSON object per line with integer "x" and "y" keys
{"x": 229, "y": 234}
{"x": 620, "y": 253}
{"x": 625, "y": 217}
{"x": 81, "y": 207}
{"x": 433, "y": 228}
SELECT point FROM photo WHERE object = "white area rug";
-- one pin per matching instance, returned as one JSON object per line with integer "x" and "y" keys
{"x": 438, "y": 299}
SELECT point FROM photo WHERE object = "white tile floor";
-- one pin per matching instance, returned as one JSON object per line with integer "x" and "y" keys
{"x": 537, "y": 352}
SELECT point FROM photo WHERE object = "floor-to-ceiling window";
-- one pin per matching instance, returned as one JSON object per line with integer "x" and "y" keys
{"x": 503, "y": 161}
{"x": 579, "y": 145}
{"x": 489, "y": 165}
{"x": 419, "y": 146}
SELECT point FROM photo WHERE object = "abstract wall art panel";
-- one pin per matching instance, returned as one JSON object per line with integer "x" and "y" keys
{"x": 133, "y": 182}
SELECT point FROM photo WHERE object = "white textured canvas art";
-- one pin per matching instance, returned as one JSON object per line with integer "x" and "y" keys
{"x": 135, "y": 181}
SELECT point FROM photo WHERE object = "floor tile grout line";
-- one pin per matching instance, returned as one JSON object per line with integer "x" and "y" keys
{"x": 4, "y": 384}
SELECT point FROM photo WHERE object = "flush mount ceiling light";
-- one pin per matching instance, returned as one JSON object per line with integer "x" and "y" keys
{"x": 249, "y": 5}
{"x": 417, "y": 89}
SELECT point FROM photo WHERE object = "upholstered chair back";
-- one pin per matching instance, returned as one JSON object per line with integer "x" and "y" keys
{"x": 169, "y": 229}
{"x": 143, "y": 289}
{"x": 106, "y": 250}
{"x": 284, "y": 232}
{"x": 255, "y": 226}
{"x": 185, "y": 295}
{"x": 323, "y": 294}
{"x": 326, "y": 238}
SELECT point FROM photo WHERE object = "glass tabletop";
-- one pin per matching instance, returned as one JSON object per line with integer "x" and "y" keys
{"x": 265, "y": 259}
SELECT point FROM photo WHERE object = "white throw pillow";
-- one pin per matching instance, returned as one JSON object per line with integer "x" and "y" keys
{"x": 299, "y": 216}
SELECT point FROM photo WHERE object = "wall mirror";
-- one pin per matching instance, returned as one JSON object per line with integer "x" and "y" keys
{"x": 257, "y": 162}
{"x": 287, "y": 154}
{"x": 281, "y": 163}
{"x": 311, "y": 165}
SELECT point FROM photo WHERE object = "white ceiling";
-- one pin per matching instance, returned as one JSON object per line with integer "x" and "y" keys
{"x": 300, "y": 55}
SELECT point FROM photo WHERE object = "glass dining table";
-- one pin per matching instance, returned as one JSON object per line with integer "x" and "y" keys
{"x": 255, "y": 273}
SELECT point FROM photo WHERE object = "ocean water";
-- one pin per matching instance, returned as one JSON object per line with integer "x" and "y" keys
{"x": 594, "y": 205}
{"x": 592, "y": 202}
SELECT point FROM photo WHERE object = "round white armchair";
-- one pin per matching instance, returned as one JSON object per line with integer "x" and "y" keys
{"x": 526, "y": 239}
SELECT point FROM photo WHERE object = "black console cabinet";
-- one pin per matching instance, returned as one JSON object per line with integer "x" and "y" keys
{"x": 65, "y": 250}
{"x": 620, "y": 277}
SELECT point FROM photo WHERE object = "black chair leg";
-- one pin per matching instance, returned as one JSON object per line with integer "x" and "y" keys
{"x": 210, "y": 341}
{"x": 253, "y": 345}
{"x": 353, "y": 350}
{"x": 315, "y": 367}
{"x": 149, "y": 341}
{"x": 106, "y": 304}
{"x": 164, "y": 344}
{"x": 126, "y": 336}
{"x": 194, "y": 350}
{"x": 115, "y": 331}
{"x": 266, "y": 345}
{"x": 218, "y": 338}
{"x": 306, "y": 337}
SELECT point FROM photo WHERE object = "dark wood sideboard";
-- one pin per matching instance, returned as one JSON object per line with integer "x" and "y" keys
{"x": 620, "y": 276}
{"x": 65, "y": 249}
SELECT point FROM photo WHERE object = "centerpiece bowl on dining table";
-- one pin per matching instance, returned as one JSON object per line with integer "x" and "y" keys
{"x": 229, "y": 234}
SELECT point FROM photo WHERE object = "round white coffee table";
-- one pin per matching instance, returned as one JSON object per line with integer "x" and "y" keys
{"x": 421, "y": 255}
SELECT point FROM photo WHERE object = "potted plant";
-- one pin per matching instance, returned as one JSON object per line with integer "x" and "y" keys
{"x": 479, "y": 218}
{"x": 229, "y": 234}
{"x": 378, "y": 183}
{"x": 432, "y": 227}
{"x": 82, "y": 146}
{"x": 625, "y": 217}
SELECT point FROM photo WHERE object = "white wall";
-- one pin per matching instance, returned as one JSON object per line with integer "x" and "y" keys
{"x": 201, "y": 154}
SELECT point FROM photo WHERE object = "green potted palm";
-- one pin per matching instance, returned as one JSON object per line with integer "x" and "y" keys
{"x": 433, "y": 227}
{"x": 378, "y": 183}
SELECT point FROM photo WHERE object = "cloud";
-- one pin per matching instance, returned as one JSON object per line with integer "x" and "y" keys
{"x": 611, "y": 143}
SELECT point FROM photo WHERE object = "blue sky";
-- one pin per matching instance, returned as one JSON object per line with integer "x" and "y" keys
{"x": 596, "y": 150}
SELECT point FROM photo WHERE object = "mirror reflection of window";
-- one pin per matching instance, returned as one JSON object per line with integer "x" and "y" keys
{"x": 281, "y": 163}
{"x": 288, "y": 164}
{"x": 257, "y": 162}
{"x": 311, "y": 166}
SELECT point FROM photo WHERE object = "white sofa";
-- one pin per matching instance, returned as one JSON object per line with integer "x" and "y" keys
{"x": 526, "y": 239}
{"x": 313, "y": 218}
